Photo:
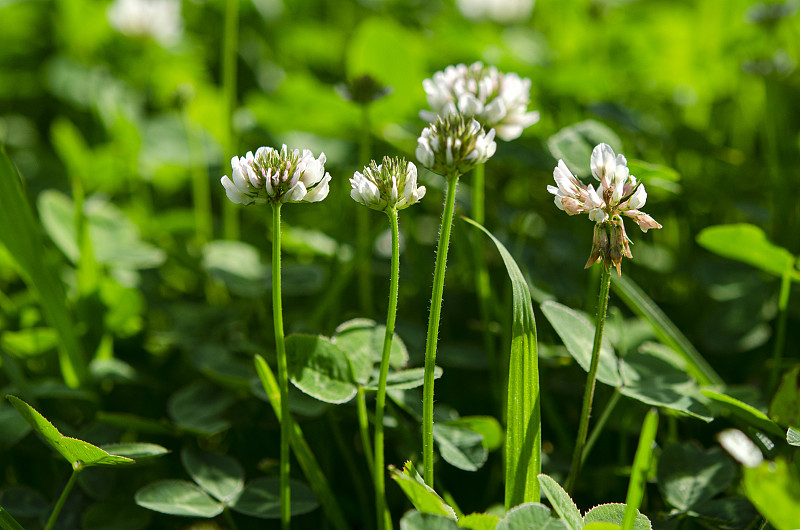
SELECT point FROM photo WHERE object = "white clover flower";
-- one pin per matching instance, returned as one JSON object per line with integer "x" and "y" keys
{"x": 277, "y": 177}
{"x": 495, "y": 99}
{"x": 159, "y": 19}
{"x": 619, "y": 193}
{"x": 392, "y": 185}
{"x": 502, "y": 11}
{"x": 740, "y": 447}
{"x": 454, "y": 144}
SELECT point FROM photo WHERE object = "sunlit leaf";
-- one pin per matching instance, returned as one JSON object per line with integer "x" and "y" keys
{"x": 613, "y": 514}
{"x": 487, "y": 426}
{"x": 139, "y": 451}
{"x": 178, "y": 497}
{"x": 219, "y": 475}
{"x": 773, "y": 488}
{"x": 785, "y": 406}
{"x": 747, "y": 413}
{"x": 577, "y": 333}
{"x": 237, "y": 265}
{"x": 30, "y": 342}
{"x": 530, "y": 515}
{"x": 73, "y": 450}
{"x": 749, "y": 244}
{"x": 562, "y": 503}
{"x": 523, "y": 445}
{"x": 416, "y": 520}
{"x": 424, "y": 499}
{"x": 478, "y": 521}
{"x": 320, "y": 368}
{"x": 460, "y": 447}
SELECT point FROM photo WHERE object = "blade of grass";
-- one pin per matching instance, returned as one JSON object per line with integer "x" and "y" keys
{"x": 641, "y": 466}
{"x": 22, "y": 237}
{"x": 665, "y": 330}
{"x": 7, "y": 522}
{"x": 302, "y": 451}
{"x": 524, "y": 421}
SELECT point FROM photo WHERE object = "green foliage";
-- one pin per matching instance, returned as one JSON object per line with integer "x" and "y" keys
{"x": 639, "y": 473}
{"x": 562, "y": 503}
{"x": 773, "y": 488}
{"x": 321, "y": 369}
{"x": 76, "y": 452}
{"x": 574, "y": 144}
{"x": 423, "y": 498}
{"x": 749, "y": 244}
{"x": 785, "y": 406}
{"x": 219, "y": 475}
{"x": 577, "y": 333}
{"x": 743, "y": 411}
{"x": 613, "y": 514}
{"x": 690, "y": 476}
{"x": 178, "y": 497}
{"x": 530, "y": 515}
{"x": 523, "y": 417}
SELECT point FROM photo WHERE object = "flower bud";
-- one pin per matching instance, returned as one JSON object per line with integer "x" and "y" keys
{"x": 392, "y": 185}
{"x": 453, "y": 145}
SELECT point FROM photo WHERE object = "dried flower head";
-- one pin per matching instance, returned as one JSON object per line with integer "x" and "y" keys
{"x": 619, "y": 193}
{"x": 495, "y": 99}
{"x": 277, "y": 177}
{"x": 454, "y": 144}
{"x": 392, "y": 185}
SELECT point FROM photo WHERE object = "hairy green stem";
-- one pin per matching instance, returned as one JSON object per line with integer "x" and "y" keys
{"x": 433, "y": 327}
{"x": 591, "y": 378}
{"x": 283, "y": 374}
{"x": 230, "y": 213}
{"x": 384, "y": 516}
{"x": 229, "y": 519}
{"x": 51, "y": 521}
{"x": 363, "y": 425}
{"x": 780, "y": 332}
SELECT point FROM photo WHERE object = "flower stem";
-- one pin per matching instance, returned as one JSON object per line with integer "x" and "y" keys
{"x": 588, "y": 395}
{"x": 363, "y": 425}
{"x": 230, "y": 213}
{"x": 384, "y": 516}
{"x": 51, "y": 522}
{"x": 780, "y": 333}
{"x": 601, "y": 422}
{"x": 482, "y": 286}
{"x": 229, "y": 519}
{"x": 433, "y": 327}
{"x": 283, "y": 376}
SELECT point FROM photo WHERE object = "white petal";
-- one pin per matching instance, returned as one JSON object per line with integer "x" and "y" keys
{"x": 295, "y": 194}
{"x": 233, "y": 193}
{"x": 320, "y": 191}
{"x": 603, "y": 161}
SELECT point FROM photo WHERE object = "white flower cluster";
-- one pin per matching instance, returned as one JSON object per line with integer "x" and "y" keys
{"x": 454, "y": 145}
{"x": 502, "y": 11}
{"x": 619, "y": 191}
{"x": 619, "y": 194}
{"x": 392, "y": 185}
{"x": 495, "y": 99}
{"x": 159, "y": 19}
{"x": 277, "y": 177}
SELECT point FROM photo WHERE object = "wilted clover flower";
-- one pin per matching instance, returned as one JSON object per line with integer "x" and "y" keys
{"x": 392, "y": 185}
{"x": 363, "y": 90}
{"x": 495, "y": 99}
{"x": 277, "y": 177}
{"x": 619, "y": 194}
{"x": 454, "y": 144}
{"x": 160, "y": 19}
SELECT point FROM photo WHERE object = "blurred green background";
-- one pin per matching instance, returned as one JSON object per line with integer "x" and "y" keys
{"x": 708, "y": 91}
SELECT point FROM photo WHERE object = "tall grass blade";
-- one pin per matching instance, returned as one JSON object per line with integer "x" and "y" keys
{"x": 665, "y": 330}
{"x": 524, "y": 421}
{"x": 22, "y": 237}
{"x": 641, "y": 466}
{"x": 316, "y": 478}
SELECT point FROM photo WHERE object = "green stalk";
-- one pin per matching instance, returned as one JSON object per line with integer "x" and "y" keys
{"x": 780, "y": 333}
{"x": 363, "y": 426}
{"x": 229, "y": 519}
{"x": 230, "y": 213}
{"x": 433, "y": 326}
{"x": 482, "y": 286}
{"x": 87, "y": 266}
{"x": 583, "y": 426}
{"x": 363, "y": 250}
{"x": 641, "y": 466}
{"x": 283, "y": 374}
{"x": 76, "y": 469}
{"x": 316, "y": 478}
{"x": 201, "y": 188}
{"x": 384, "y": 516}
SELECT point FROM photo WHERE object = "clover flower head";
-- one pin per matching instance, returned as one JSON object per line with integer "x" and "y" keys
{"x": 391, "y": 185}
{"x": 276, "y": 177}
{"x": 159, "y": 19}
{"x": 454, "y": 144}
{"x": 497, "y": 100}
{"x": 619, "y": 193}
